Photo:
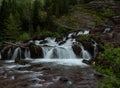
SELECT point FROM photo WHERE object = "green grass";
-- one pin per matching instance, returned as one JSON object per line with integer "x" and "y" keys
{"x": 108, "y": 64}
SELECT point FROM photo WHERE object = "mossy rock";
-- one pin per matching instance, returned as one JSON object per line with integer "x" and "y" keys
{"x": 36, "y": 51}
{"x": 77, "y": 50}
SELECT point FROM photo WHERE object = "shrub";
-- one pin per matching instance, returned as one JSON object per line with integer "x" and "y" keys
{"x": 108, "y": 64}
{"x": 24, "y": 36}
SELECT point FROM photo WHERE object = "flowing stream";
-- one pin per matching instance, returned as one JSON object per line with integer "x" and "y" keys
{"x": 49, "y": 63}
{"x": 61, "y": 49}
{"x": 54, "y": 48}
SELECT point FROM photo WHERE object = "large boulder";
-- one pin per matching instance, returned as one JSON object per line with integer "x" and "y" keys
{"x": 36, "y": 51}
{"x": 77, "y": 50}
{"x": 6, "y": 52}
{"x": 85, "y": 40}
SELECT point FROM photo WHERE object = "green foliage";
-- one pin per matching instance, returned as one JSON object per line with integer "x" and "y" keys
{"x": 109, "y": 65}
{"x": 24, "y": 36}
{"x": 107, "y": 13}
{"x": 62, "y": 31}
{"x": 11, "y": 27}
{"x": 84, "y": 37}
{"x": 50, "y": 34}
{"x": 38, "y": 30}
{"x": 110, "y": 54}
{"x": 27, "y": 16}
{"x": 98, "y": 17}
{"x": 57, "y": 7}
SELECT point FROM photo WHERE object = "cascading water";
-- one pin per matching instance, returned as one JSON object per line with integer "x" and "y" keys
{"x": 55, "y": 49}
{"x": 95, "y": 49}
{"x": 27, "y": 53}
{"x": 15, "y": 54}
{"x": 107, "y": 30}
{"x": 9, "y": 52}
{"x": 85, "y": 54}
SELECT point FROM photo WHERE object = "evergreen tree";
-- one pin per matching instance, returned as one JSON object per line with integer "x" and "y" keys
{"x": 11, "y": 27}
{"x": 37, "y": 7}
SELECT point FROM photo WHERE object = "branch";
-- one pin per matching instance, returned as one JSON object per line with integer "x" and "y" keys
{"x": 18, "y": 45}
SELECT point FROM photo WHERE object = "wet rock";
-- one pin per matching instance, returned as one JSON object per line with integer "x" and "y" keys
{"x": 45, "y": 69}
{"x": 86, "y": 61}
{"x": 25, "y": 68}
{"x": 22, "y": 53}
{"x": 36, "y": 51}
{"x": 6, "y": 52}
{"x": 45, "y": 78}
{"x": 21, "y": 61}
{"x": 98, "y": 75}
{"x": 43, "y": 42}
{"x": 36, "y": 65}
{"x": 62, "y": 42}
{"x": 77, "y": 50}
{"x": 88, "y": 45}
{"x": 59, "y": 39}
{"x": 116, "y": 19}
{"x": 1, "y": 63}
{"x": 116, "y": 36}
{"x": 63, "y": 79}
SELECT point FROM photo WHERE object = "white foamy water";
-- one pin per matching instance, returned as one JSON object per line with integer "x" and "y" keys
{"x": 15, "y": 54}
{"x": 15, "y": 66}
{"x": 58, "y": 51}
{"x": 67, "y": 62}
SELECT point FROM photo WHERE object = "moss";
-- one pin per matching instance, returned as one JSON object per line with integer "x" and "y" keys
{"x": 83, "y": 37}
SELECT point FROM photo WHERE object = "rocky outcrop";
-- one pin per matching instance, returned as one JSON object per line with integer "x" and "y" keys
{"x": 77, "y": 50}
{"x": 6, "y": 52}
{"x": 36, "y": 51}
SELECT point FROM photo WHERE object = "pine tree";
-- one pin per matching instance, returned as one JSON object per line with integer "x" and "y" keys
{"x": 36, "y": 14}
{"x": 11, "y": 28}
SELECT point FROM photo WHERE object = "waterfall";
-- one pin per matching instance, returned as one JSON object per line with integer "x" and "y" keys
{"x": 52, "y": 49}
{"x": 9, "y": 52}
{"x": 55, "y": 48}
{"x": 95, "y": 49}
{"x": 85, "y": 53}
{"x": 49, "y": 53}
{"x": 45, "y": 50}
{"x": 107, "y": 30}
{"x": 15, "y": 54}
{"x": 27, "y": 53}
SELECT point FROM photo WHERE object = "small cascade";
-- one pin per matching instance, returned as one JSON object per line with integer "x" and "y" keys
{"x": 27, "y": 53}
{"x": 45, "y": 50}
{"x": 85, "y": 53}
{"x": 60, "y": 52}
{"x": 9, "y": 52}
{"x": 107, "y": 30}
{"x": 54, "y": 48}
{"x": 15, "y": 54}
{"x": 95, "y": 49}
{"x": 49, "y": 53}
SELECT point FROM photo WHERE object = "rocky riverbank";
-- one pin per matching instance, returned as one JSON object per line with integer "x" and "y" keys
{"x": 49, "y": 75}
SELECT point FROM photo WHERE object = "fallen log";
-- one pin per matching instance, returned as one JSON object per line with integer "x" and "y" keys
{"x": 18, "y": 45}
